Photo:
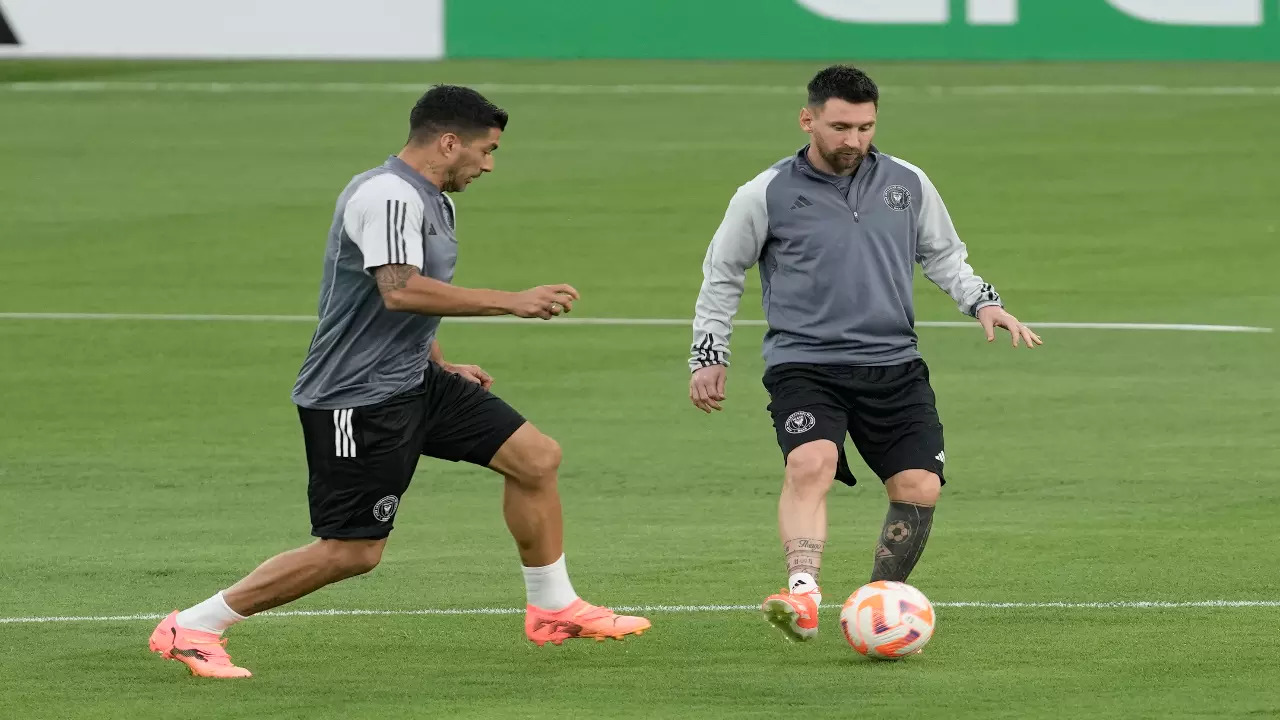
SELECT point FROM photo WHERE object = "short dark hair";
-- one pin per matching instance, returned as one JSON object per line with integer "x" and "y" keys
{"x": 845, "y": 82}
{"x": 455, "y": 109}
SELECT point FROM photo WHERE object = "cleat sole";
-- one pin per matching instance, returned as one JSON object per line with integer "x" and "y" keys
{"x": 599, "y": 637}
{"x": 782, "y": 616}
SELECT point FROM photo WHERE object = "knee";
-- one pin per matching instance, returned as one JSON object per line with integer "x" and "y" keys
{"x": 812, "y": 467}
{"x": 349, "y": 558}
{"x": 541, "y": 462}
{"x": 920, "y": 487}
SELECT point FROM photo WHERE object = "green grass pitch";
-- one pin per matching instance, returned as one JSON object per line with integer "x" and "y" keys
{"x": 144, "y": 465}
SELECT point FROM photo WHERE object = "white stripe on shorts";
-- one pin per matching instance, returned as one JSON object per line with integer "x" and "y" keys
{"x": 344, "y": 440}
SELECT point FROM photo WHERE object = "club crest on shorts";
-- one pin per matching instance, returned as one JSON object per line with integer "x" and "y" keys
{"x": 897, "y": 197}
{"x": 800, "y": 421}
{"x": 385, "y": 509}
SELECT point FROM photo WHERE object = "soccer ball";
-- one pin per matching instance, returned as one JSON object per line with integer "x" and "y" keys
{"x": 887, "y": 620}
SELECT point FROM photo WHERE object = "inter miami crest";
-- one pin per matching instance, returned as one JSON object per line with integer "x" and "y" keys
{"x": 385, "y": 509}
{"x": 7, "y": 36}
{"x": 897, "y": 198}
{"x": 800, "y": 422}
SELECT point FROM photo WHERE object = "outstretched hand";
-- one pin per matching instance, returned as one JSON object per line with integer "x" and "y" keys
{"x": 994, "y": 316}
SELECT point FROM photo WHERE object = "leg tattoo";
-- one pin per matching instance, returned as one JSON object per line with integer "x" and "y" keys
{"x": 906, "y": 529}
{"x": 804, "y": 555}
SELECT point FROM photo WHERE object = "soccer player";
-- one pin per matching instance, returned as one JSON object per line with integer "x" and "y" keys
{"x": 836, "y": 228}
{"x": 375, "y": 393}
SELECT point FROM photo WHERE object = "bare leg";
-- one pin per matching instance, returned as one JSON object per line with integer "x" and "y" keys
{"x": 529, "y": 462}
{"x": 802, "y": 507}
{"x": 293, "y": 574}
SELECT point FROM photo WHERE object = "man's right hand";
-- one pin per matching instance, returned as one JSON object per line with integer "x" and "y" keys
{"x": 544, "y": 301}
{"x": 706, "y": 388}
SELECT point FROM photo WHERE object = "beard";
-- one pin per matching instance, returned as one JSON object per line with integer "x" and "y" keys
{"x": 843, "y": 162}
{"x": 453, "y": 183}
{"x": 458, "y": 177}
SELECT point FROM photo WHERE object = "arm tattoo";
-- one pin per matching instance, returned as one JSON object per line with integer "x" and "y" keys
{"x": 393, "y": 277}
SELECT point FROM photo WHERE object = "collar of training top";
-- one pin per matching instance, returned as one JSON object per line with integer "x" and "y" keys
{"x": 802, "y": 161}
{"x": 413, "y": 177}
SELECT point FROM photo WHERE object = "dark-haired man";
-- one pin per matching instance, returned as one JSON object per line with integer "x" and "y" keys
{"x": 375, "y": 393}
{"x": 836, "y": 229}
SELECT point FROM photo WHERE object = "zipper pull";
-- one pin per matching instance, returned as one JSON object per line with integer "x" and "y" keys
{"x": 855, "y": 216}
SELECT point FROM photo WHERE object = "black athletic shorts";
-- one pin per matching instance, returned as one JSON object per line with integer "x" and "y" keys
{"x": 888, "y": 411}
{"x": 360, "y": 460}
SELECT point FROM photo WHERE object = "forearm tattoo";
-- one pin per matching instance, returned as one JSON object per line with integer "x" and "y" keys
{"x": 393, "y": 277}
{"x": 804, "y": 555}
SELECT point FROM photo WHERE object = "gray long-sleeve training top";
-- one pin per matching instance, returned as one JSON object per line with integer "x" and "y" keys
{"x": 836, "y": 258}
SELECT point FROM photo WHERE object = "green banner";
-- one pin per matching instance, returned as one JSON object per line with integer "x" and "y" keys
{"x": 866, "y": 29}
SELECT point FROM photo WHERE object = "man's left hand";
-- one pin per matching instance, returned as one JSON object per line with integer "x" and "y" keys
{"x": 994, "y": 316}
{"x": 472, "y": 373}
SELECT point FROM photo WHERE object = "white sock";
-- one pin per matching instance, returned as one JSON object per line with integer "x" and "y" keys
{"x": 212, "y": 615}
{"x": 548, "y": 587}
{"x": 804, "y": 582}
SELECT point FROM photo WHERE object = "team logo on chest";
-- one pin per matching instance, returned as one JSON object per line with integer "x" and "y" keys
{"x": 897, "y": 197}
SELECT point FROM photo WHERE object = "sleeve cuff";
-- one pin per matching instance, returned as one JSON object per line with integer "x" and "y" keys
{"x": 985, "y": 303}
{"x": 987, "y": 296}
{"x": 697, "y": 364}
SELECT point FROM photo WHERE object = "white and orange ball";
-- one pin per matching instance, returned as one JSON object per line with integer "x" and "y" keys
{"x": 887, "y": 620}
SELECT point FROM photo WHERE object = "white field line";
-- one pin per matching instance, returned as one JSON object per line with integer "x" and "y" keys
{"x": 234, "y": 87}
{"x": 675, "y": 322}
{"x": 1117, "y": 605}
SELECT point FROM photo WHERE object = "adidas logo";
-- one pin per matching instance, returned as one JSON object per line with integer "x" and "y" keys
{"x": 432, "y": 229}
{"x": 941, "y": 457}
{"x": 801, "y": 203}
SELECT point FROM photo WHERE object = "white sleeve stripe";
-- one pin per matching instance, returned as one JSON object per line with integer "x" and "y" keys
{"x": 404, "y": 246}
{"x": 383, "y": 218}
{"x": 390, "y": 207}
{"x": 391, "y": 212}
{"x": 395, "y": 231}
{"x": 397, "y": 246}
